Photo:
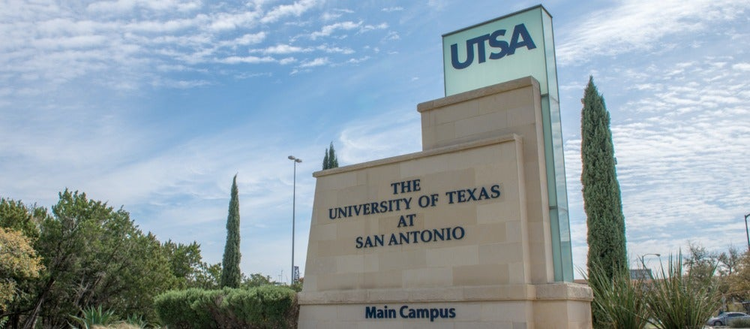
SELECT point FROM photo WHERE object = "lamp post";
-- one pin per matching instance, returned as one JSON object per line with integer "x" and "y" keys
{"x": 644, "y": 256}
{"x": 746, "y": 232}
{"x": 294, "y": 202}
{"x": 643, "y": 262}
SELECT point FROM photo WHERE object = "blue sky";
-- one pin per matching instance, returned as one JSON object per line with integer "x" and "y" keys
{"x": 154, "y": 105}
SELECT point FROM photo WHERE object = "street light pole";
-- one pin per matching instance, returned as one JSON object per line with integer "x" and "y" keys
{"x": 294, "y": 203}
{"x": 746, "y": 232}
{"x": 644, "y": 256}
{"x": 643, "y": 262}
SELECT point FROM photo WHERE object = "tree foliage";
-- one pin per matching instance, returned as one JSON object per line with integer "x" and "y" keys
{"x": 700, "y": 263}
{"x": 257, "y": 280}
{"x": 231, "y": 276}
{"x": 739, "y": 281}
{"x": 84, "y": 255}
{"x": 94, "y": 256}
{"x": 330, "y": 160}
{"x": 18, "y": 261}
{"x": 601, "y": 190}
{"x": 15, "y": 215}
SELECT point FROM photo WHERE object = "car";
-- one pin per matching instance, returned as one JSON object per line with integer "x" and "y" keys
{"x": 726, "y": 318}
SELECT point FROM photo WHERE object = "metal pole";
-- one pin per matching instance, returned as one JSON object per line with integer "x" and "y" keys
{"x": 294, "y": 207}
{"x": 643, "y": 262}
{"x": 747, "y": 233}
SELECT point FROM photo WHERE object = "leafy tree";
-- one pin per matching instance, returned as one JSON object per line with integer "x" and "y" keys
{"x": 601, "y": 191}
{"x": 230, "y": 272}
{"x": 739, "y": 283}
{"x": 207, "y": 277}
{"x": 700, "y": 263}
{"x": 18, "y": 260}
{"x": 15, "y": 215}
{"x": 729, "y": 261}
{"x": 92, "y": 256}
{"x": 728, "y": 265}
{"x": 184, "y": 261}
{"x": 95, "y": 256}
{"x": 257, "y": 280}
{"x": 330, "y": 160}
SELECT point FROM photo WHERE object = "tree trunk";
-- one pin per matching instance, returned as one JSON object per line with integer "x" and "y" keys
{"x": 31, "y": 319}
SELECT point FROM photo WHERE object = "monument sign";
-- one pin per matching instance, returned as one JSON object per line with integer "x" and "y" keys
{"x": 458, "y": 235}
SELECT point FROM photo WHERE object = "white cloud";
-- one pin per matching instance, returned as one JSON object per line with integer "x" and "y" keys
{"x": 330, "y": 49}
{"x": 119, "y": 6}
{"x": 245, "y": 59}
{"x": 387, "y": 135}
{"x": 247, "y": 39}
{"x": 392, "y": 9}
{"x": 392, "y": 35}
{"x": 368, "y": 27}
{"x": 282, "y": 49}
{"x": 287, "y": 60}
{"x": 640, "y": 25}
{"x": 320, "y": 61}
{"x": 328, "y": 16}
{"x": 295, "y": 9}
{"x": 329, "y": 29}
{"x": 358, "y": 60}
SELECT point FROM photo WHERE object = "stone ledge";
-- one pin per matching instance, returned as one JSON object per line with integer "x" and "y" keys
{"x": 564, "y": 291}
{"x": 544, "y": 292}
{"x": 477, "y": 93}
{"x": 423, "y": 154}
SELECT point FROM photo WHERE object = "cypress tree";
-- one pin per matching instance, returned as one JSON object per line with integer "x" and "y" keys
{"x": 230, "y": 265}
{"x": 330, "y": 160}
{"x": 601, "y": 191}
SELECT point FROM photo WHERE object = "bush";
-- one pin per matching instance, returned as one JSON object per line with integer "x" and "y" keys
{"x": 260, "y": 307}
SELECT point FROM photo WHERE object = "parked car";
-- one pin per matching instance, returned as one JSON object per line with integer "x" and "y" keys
{"x": 726, "y": 318}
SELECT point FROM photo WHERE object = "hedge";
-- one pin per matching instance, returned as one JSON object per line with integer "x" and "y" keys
{"x": 259, "y": 307}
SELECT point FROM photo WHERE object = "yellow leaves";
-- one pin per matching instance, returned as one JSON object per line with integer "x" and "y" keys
{"x": 18, "y": 260}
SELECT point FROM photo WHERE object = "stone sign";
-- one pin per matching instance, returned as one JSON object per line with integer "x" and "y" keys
{"x": 455, "y": 236}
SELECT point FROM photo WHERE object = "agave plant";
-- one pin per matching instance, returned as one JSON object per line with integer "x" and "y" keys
{"x": 619, "y": 299}
{"x": 136, "y": 321}
{"x": 680, "y": 301}
{"x": 94, "y": 317}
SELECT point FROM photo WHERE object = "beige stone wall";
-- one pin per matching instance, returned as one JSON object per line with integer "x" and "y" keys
{"x": 491, "y": 252}
{"x": 489, "y": 138}
{"x": 513, "y": 107}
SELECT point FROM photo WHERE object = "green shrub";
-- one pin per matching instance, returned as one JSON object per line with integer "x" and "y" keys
{"x": 260, "y": 307}
{"x": 189, "y": 308}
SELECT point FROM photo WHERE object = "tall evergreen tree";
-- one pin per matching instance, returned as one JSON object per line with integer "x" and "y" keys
{"x": 601, "y": 191}
{"x": 230, "y": 265}
{"x": 329, "y": 160}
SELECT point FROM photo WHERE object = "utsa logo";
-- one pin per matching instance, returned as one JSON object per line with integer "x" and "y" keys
{"x": 519, "y": 39}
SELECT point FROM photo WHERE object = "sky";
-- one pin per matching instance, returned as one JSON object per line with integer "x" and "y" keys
{"x": 154, "y": 105}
